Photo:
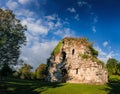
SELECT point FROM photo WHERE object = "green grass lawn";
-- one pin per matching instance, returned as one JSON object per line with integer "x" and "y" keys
{"x": 41, "y": 87}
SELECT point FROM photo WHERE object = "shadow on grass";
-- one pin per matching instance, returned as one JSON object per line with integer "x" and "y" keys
{"x": 113, "y": 87}
{"x": 25, "y": 86}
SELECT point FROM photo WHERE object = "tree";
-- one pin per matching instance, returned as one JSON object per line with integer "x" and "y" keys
{"x": 5, "y": 71}
{"x": 41, "y": 72}
{"x": 112, "y": 66}
{"x": 16, "y": 74}
{"x": 25, "y": 71}
{"x": 118, "y": 68}
{"x": 32, "y": 75}
{"x": 12, "y": 37}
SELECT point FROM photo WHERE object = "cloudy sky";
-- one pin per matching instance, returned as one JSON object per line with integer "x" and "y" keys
{"x": 48, "y": 21}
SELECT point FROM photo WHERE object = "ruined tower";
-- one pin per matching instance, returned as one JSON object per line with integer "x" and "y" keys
{"x": 74, "y": 60}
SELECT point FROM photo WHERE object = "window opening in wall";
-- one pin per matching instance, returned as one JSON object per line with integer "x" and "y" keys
{"x": 64, "y": 56}
{"x": 77, "y": 71}
{"x": 63, "y": 42}
{"x": 73, "y": 51}
{"x": 97, "y": 73}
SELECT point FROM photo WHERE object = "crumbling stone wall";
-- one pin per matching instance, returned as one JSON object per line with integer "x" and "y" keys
{"x": 74, "y": 62}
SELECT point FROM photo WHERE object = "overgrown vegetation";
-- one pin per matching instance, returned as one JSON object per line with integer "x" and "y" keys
{"x": 57, "y": 48}
{"x": 84, "y": 56}
{"x": 83, "y": 41}
{"x": 94, "y": 59}
{"x": 94, "y": 52}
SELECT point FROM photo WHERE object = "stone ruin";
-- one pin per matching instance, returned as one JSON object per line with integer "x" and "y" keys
{"x": 74, "y": 60}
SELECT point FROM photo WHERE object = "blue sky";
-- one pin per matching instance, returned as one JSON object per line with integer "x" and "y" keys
{"x": 48, "y": 21}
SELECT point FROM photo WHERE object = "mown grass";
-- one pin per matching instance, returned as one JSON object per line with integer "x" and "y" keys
{"x": 40, "y": 87}
{"x": 77, "y": 89}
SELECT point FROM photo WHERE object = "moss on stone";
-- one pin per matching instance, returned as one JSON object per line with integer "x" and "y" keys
{"x": 84, "y": 56}
{"x": 57, "y": 48}
{"x": 93, "y": 51}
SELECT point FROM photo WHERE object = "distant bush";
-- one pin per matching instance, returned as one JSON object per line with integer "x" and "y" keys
{"x": 114, "y": 78}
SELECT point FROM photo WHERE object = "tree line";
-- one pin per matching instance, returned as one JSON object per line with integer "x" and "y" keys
{"x": 24, "y": 72}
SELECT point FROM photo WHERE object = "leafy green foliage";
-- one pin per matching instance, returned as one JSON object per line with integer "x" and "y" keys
{"x": 25, "y": 71}
{"x": 41, "y": 71}
{"x": 57, "y": 48}
{"x": 5, "y": 71}
{"x": 118, "y": 68}
{"x": 93, "y": 51}
{"x": 32, "y": 75}
{"x": 12, "y": 37}
{"x": 112, "y": 66}
{"x": 114, "y": 78}
{"x": 16, "y": 74}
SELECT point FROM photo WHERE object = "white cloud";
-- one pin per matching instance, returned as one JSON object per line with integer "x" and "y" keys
{"x": 77, "y": 17}
{"x": 23, "y": 1}
{"x": 39, "y": 46}
{"x": 12, "y": 4}
{"x": 103, "y": 55}
{"x": 82, "y": 3}
{"x": 94, "y": 29}
{"x": 26, "y": 13}
{"x": 95, "y": 20}
{"x": 35, "y": 26}
{"x": 105, "y": 43}
{"x": 53, "y": 21}
{"x": 38, "y": 53}
{"x": 72, "y": 10}
{"x": 65, "y": 32}
{"x": 50, "y": 17}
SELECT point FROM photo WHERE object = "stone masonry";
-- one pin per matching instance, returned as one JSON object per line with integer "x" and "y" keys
{"x": 74, "y": 63}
